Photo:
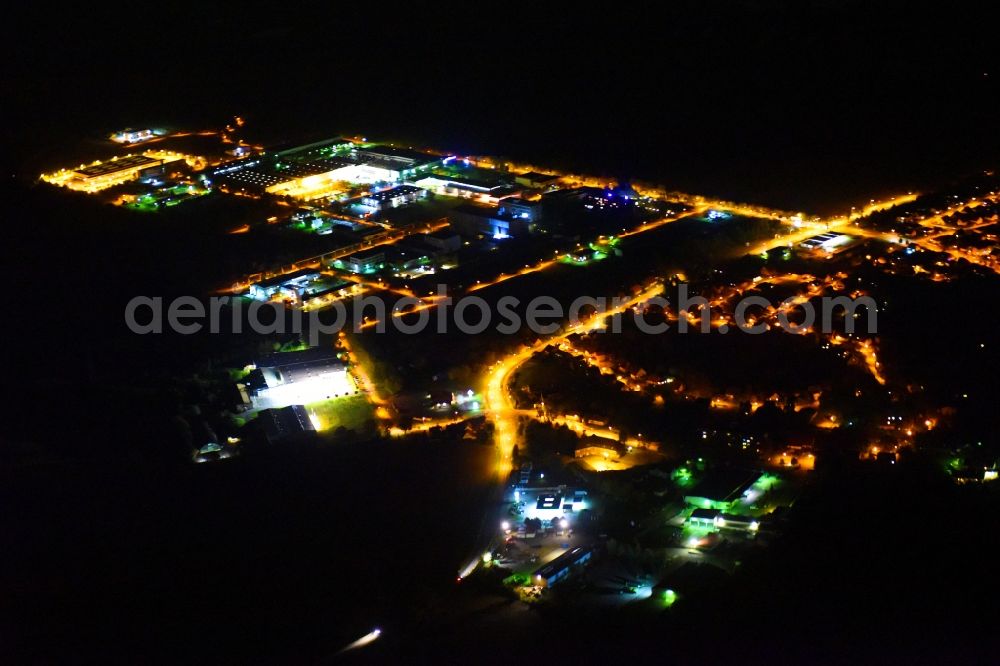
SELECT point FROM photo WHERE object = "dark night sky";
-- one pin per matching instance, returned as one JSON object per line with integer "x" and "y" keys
{"x": 809, "y": 104}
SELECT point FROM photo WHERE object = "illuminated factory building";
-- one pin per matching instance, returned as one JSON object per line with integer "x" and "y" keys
{"x": 291, "y": 286}
{"x": 394, "y": 197}
{"x": 102, "y": 175}
{"x": 321, "y": 169}
{"x": 548, "y": 503}
{"x": 483, "y": 190}
{"x": 299, "y": 378}
{"x": 132, "y": 136}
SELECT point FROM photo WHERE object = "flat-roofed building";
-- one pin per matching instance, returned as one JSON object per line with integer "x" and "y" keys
{"x": 365, "y": 262}
{"x": 704, "y": 518}
{"x": 562, "y": 567}
{"x": 395, "y": 163}
{"x": 445, "y": 240}
{"x": 301, "y": 377}
{"x": 280, "y": 424}
{"x": 715, "y": 520}
{"x": 722, "y": 488}
{"x": 520, "y": 209}
{"x": 394, "y": 197}
{"x": 598, "y": 446}
{"x": 102, "y": 175}
{"x": 290, "y": 285}
{"x": 330, "y": 292}
{"x": 132, "y": 136}
{"x": 473, "y": 220}
{"x": 547, "y": 504}
{"x": 484, "y": 190}
{"x": 535, "y": 180}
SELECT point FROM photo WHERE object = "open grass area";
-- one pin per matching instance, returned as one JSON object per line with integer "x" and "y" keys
{"x": 351, "y": 412}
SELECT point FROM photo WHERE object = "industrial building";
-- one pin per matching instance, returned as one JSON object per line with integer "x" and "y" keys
{"x": 292, "y": 363}
{"x": 393, "y": 197}
{"x": 485, "y": 191}
{"x": 598, "y": 446}
{"x": 329, "y": 292}
{"x": 722, "y": 488}
{"x": 827, "y": 242}
{"x": 546, "y": 504}
{"x": 714, "y": 519}
{"x": 516, "y": 208}
{"x": 704, "y": 518}
{"x": 732, "y": 522}
{"x": 422, "y": 254}
{"x": 473, "y": 220}
{"x": 130, "y": 136}
{"x": 102, "y": 175}
{"x": 395, "y": 164}
{"x": 291, "y": 286}
{"x": 316, "y": 149}
{"x": 302, "y": 179}
{"x": 280, "y": 424}
{"x": 318, "y": 170}
{"x": 445, "y": 240}
{"x": 562, "y": 567}
{"x": 368, "y": 261}
{"x": 300, "y": 377}
{"x": 535, "y": 180}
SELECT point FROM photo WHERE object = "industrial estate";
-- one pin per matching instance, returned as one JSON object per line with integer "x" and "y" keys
{"x": 626, "y": 472}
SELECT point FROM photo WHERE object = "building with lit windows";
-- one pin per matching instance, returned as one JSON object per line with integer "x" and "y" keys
{"x": 365, "y": 262}
{"x": 291, "y": 286}
{"x": 132, "y": 136}
{"x": 546, "y": 504}
{"x": 522, "y": 210}
{"x": 319, "y": 170}
{"x": 472, "y": 220}
{"x": 393, "y": 197}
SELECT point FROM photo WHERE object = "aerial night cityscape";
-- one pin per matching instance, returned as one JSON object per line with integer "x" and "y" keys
{"x": 472, "y": 334}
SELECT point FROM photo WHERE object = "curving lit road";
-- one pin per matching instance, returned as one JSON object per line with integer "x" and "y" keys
{"x": 502, "y": 412}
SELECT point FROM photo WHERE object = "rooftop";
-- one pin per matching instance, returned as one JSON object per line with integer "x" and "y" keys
{"x": 284, "y": 422}
{"x": 538, "y": 177}
{"x": 115, "y": 165}
{"x": 287, "y": 277}
{"x": 399, "y": 190}
{"x": 706, "y": 514}
{"x": 310, "y": 355}
{"x": 724, "y": 484}
{"x": 405, "y": 154}
{"x": 567, "y": 559}
{"x": 367, "y": 255}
